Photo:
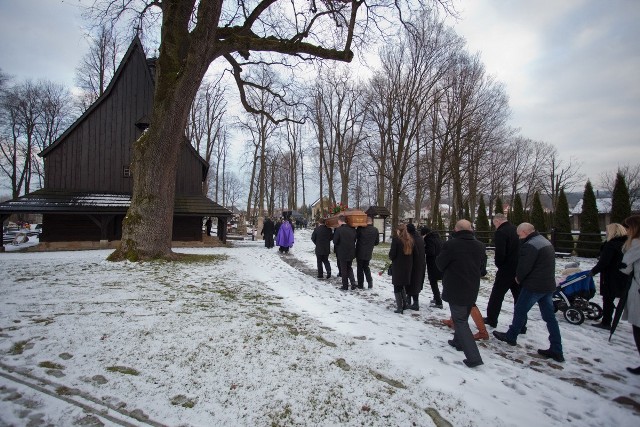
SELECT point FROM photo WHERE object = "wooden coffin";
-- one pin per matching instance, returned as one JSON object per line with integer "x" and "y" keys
{"x": 332, "y": 221}
{"x": 355, "y": 218}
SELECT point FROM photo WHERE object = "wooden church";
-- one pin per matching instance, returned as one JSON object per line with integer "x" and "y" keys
{"x": 88, "y": 182}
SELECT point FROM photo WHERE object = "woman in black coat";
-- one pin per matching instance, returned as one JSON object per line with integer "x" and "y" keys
{"x": 612, "y": 280}
{"x": 401, "y": 256}
{"x": 418, "y": 269}
{"x": 432, "y": 247}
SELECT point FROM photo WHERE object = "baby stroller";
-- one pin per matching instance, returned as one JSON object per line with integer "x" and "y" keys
{"x": 572, "y": 297}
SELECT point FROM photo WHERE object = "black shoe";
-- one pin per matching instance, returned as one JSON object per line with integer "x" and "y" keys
{"x": 502, "y": 336}
{"x": 320, "y": 277}
{"x": 601, "y": 326}
{"x": 353, "y": 287}
{"x": 453, "y": 344}
{"x": 558, "y": 357}
{"x": 328, "y": 275}
{"x": 436, "y": 304}
{"x": 344, "y": 288}
{"x": 490, "y": 323}
{"x": 634, "y": 371}
{"x": 370, "y": 285}
{"x": 472, "y": 364}
{"x": 360, "y": 286}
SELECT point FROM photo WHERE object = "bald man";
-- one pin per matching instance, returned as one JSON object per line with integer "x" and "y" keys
{"x": 463, "y": 261}
{"x": 536, "y": 274}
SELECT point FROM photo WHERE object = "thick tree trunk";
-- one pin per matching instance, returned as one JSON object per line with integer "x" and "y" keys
{"x": 147, "y": 227}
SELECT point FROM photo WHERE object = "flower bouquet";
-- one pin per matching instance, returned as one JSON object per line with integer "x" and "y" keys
{"x": 387, "y": 268}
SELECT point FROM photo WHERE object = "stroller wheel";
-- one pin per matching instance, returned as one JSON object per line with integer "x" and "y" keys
{"x": 574, "y": 316}
{"x": 594, "y": 312}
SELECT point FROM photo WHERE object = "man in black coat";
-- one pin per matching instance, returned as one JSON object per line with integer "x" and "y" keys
{"x": 344, "y": 242}
{"x": 507, "y": 247}
{"x": 321, "y": 237}
{"x": 367, "y": 237}
{"x": 418, "y": 268}
{"x": 463, "y": 261}
{"x": 268, "y": 230}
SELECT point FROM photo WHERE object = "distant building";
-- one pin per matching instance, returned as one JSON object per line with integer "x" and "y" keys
{"x": 604, "y": 212}
{"x": 88, "y": 178}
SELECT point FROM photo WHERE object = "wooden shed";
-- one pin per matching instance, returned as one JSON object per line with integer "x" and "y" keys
{"x": 88, "y": 178}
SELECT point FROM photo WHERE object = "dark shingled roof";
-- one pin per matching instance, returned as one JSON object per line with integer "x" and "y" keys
{"x": 57, "y": 201}
{"x": 378, "y": 211}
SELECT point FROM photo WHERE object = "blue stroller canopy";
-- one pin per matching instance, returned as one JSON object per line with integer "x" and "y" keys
{"x": 579, "y": 284}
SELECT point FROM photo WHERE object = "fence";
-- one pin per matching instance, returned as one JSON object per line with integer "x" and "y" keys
{"x": 566, "y": 244}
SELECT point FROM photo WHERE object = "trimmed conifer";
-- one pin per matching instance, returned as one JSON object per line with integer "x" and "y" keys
{"x": 537, "y": 214}
{"x": 517, "y": 211}
{"x": 562, "y": 225}
{"x": 590, "y": 239}
{"x": 620, "y": 200}
{"x": 482, "y": 223}
{"x": 499, "y": 207}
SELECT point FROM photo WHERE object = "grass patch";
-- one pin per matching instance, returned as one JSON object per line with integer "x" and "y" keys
{"x": 46, "y": 321}
{"x": 391, "y": 382}
{"x": 18, "y": 348}
{"x": 196, "y": 258}
{"x": 123, "y": 370}
{"x": 50, "y": 365}
{"x": 64, "y": 391}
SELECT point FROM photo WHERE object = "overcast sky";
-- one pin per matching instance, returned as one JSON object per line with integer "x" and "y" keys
{"x": 571, "y": 67}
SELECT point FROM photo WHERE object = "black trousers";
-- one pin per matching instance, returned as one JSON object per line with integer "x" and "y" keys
{"x": 608, "y": 307}
{"x": 346, "y": 273}
{"x": 362, "y": 271}
{"x": 504, "y": 282}
{"x": 462, "y": 335}
{"x": 323, "y": 260}
{"x": 436, "y": 291}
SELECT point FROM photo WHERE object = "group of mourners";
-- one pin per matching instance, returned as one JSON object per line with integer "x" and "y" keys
{"x": 525, "y": 262}
{"x": 348, "y": 243}
{"x": 283, "y": 230}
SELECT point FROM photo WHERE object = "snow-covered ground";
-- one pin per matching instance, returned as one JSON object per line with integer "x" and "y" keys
{"x": 250, "y": 337}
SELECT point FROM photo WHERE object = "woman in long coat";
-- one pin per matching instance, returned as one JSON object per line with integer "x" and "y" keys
{"x": 631, "y": 258}
{"x": 401, "y": 256}
{"x": 612, "y": 280}
{"x": 284, "y": 238}
{"x": 418, "y": 269}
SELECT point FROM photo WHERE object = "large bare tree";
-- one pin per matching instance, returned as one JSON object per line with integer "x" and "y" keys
{"x": 194, "y": 34}
{"x": 401, "y": 96}
{"x": 559, "y": 174}
{"x": 631, "y": 173}
{"x": 207, "y": 130}
{"x": 98, "y": 65}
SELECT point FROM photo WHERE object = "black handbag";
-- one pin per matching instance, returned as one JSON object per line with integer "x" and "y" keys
{"x": 390, "y": 271}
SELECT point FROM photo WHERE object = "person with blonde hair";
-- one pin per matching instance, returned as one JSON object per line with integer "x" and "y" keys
{"x": 612, "y": 280}
{"x": 401, "y": 256}
{"x": 631, "y": 262}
